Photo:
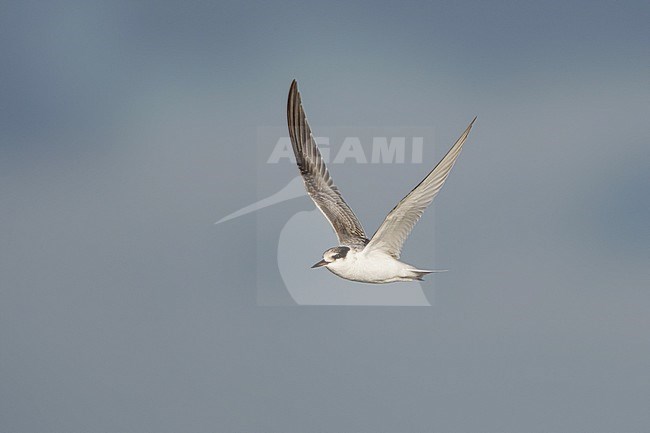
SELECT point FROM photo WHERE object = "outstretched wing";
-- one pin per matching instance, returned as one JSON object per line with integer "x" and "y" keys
{"x": 400, "y": 221}
{"x": 318, "y": 181}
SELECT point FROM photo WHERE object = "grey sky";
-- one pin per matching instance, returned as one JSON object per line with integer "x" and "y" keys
{"x": 128, "y": 128}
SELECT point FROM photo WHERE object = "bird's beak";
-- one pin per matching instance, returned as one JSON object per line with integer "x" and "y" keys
{"x": 319, "y": 264}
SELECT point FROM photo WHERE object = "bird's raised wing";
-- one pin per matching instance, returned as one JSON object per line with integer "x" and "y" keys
{"x": 392, "y": 233}
{"x": 318, "y": 181}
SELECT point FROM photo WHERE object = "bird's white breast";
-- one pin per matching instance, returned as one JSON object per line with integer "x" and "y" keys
{"x": 375, "y": 267}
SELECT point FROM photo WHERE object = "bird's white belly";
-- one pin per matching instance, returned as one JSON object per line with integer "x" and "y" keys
{"x": 376, "y": 268}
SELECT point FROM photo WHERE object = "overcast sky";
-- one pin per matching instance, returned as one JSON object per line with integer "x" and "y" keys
{"x": 128, "y": 128}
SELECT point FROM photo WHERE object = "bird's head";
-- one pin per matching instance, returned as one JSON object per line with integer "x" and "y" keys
{"x": 332, "y": 255}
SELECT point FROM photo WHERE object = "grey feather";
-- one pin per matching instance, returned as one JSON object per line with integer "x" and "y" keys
{"x": 400, "y": 221}
{"x": 318, "y": 181}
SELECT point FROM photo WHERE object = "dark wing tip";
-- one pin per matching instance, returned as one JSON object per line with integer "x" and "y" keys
{"x": 469, "y": 127}
{"x": 293, "y": 100}
{"x": 472, "y": 123}
{"x": 293, "y": 90}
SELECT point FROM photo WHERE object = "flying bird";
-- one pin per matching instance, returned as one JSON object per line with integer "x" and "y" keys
{"x": 357, "y": 258}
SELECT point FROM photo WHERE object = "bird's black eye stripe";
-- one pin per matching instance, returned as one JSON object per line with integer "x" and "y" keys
{"x": 341, "y": 252}
{"x": 338, "y": 252}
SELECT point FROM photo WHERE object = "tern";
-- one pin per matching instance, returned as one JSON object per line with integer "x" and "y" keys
{"x": 357, "y": 258}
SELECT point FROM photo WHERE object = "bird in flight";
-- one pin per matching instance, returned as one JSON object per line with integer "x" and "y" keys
{"x": 357, "y": 258}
